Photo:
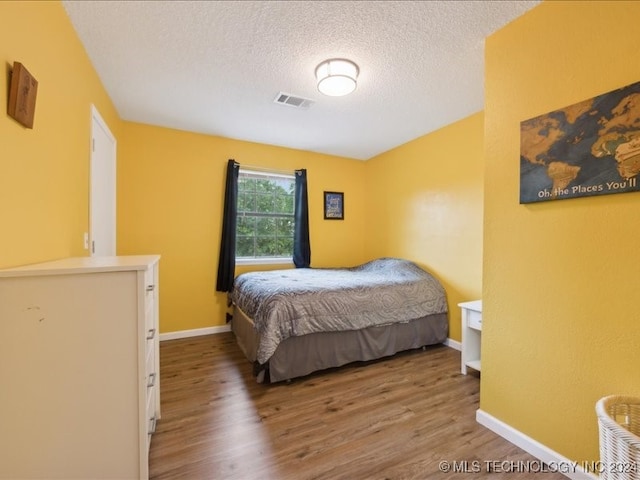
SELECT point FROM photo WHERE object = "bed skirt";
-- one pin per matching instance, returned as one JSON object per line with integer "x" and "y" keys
{"x": 299, "y": 356}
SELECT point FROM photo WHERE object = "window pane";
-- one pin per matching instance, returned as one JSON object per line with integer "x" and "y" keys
{"x": 265, "y": 227}
{"x": 284, "y": 247}
{"x": 265, "y": 247}
{"x": 246, "y": 202}
{"x": 245, "y": 247}
{"x": 265, "y": 221}
{"x": 284, "y": 227}
{"x": 246, "y": 226}
{"x": 264, "y": 203}
{"x": 264, "y": 186}
{"x": 284, "y": 185}
{"x": 246, "y": 184}
{"x": 284, "y": 204}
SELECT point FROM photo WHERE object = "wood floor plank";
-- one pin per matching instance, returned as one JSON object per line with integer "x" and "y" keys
{"x": 391, "y": 419}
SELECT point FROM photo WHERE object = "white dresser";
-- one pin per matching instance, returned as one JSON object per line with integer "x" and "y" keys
{"x": 79, "y": 368}
{"x": 471, "y": 335}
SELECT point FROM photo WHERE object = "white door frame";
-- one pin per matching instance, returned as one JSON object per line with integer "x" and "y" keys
{"x": 102, "y": 188}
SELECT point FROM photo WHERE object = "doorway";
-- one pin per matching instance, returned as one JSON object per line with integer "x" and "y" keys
{"x": 102, "y": 194}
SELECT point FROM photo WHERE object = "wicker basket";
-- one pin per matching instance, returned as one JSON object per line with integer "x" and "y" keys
{"x": 619, "y": 424}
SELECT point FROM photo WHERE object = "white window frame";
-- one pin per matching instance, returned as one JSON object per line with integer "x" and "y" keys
{"x": 265, "y": 260}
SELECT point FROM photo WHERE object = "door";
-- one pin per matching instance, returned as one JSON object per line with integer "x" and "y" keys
{"x": 102, "y": 201}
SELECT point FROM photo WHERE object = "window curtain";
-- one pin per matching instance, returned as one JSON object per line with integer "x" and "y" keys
{"x": 301, "y": 244}
{"x": 227, "y": 260}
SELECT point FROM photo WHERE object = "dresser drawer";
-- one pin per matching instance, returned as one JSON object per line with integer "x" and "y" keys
{"x": 149, "y": 307}
{"x": 150, "y": 330}
{"x": 151, "y": 417}
{"x": 151, "y": 402}
{"x": 474, "y": 320}
{"x": 149, "y": 278}
{"x": 150, "y": 368}
{"x": 151, "y": 379}
{"x": 150, "y": 289}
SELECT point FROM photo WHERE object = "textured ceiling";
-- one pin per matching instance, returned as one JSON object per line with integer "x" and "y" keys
{"x": 215, "y": 67}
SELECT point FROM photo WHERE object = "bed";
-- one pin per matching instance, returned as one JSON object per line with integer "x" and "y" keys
{"x": 290, "y": 323}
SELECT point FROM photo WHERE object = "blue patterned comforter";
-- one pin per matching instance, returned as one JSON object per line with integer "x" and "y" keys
{"x": 286, "y": 303}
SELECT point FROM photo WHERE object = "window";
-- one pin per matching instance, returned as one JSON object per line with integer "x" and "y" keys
{"x": 265, "y": 222}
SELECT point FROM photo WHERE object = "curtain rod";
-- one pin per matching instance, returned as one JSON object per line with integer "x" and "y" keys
{"x": 244, "y": 166}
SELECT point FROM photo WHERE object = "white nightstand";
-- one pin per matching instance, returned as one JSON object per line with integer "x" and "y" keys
{"x": 471, "y": 333}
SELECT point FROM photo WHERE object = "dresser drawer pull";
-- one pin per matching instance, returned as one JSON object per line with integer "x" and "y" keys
{"x": 151, "y": 380}
{"x": 151, "y": 288}
{"x": 475, "y": 320}
{"x": 152, "y": 425}
{"x": 151, "y": 334}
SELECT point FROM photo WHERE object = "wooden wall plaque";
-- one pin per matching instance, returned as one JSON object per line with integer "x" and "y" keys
{"x": 22, "y": 95}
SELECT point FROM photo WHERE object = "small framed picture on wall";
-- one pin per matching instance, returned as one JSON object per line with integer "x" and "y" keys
{"x": 22, "y": 95}
{"x": 333, "y": 206}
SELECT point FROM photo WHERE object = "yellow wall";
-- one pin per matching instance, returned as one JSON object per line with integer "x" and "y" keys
{"x": 170, "y": 200}
{"x": 44, "y": 206}
{"x": 560, "y": 284}
{"x": 425, "y": 204}
{"x": 559, "y": 278}
{"x": 170, "y": 185}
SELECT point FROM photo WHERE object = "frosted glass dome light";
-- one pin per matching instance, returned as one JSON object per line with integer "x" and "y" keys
{"x": 337, "y": 77}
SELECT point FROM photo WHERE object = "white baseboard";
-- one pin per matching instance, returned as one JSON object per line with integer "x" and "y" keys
{"x": 196, "y": 332}
{"x": 453, "y": 344}
{"x": 555, "y": 461}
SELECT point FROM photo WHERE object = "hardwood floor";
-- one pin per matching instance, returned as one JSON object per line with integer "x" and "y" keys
{"x": 396, "y": 419}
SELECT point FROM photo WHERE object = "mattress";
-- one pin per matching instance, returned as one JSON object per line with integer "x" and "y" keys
{"x": 284, "y": 304}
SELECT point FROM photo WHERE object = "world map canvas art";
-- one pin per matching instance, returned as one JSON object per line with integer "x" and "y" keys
{"x": 589, "y": 148}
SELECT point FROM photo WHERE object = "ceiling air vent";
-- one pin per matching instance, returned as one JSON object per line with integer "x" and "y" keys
{"x": 292, "y": 101}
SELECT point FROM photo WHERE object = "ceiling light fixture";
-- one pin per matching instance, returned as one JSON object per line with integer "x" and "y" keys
{"x": 337, "y": 77}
